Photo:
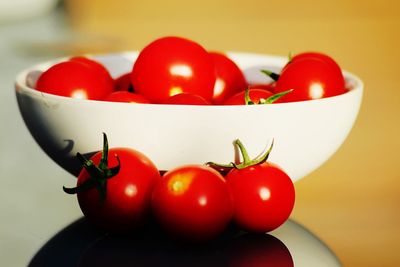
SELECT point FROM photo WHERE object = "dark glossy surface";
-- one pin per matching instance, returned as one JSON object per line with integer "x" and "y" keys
{"x": 79, "y": 244}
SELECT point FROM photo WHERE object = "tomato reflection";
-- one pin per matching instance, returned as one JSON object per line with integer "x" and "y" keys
{"x": 259, "y": 250}
{"x": 154, "y": 249}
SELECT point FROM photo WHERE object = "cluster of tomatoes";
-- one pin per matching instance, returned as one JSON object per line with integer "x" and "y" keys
{"x": 174, "y": 70}
{"x": 121, "y": 190}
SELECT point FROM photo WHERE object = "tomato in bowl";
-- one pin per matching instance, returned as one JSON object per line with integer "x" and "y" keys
{"x": 306, "y": 133}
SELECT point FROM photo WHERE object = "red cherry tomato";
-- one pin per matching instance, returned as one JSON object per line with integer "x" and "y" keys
{"x": 125, "y": 96}
{"x": 123, "y": 83}
{"x": 310, "y": 78}
{"x": 229, "y": 78}
{"x": 327, "y": 59}
{"x": 192, "y": 203}
{"x": 186, "y": 99}
{"x": 263, "y": 196}
{"x": 173, "y": 65}
{"x": 97, "y": 67}
{"x": 73, "y": 79}
{"x": 255, "y": 96}
{"x": 126, "y": 205}
{"x": 265, "y": 86}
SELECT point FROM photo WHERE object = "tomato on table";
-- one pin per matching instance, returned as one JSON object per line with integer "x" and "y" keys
{"x": 264, "y": 196}
{"x": 114, "y": 188}
{"x": 262, "y": 192}
{"x": 173, "y": 65}
{"x": 192, "y": 203}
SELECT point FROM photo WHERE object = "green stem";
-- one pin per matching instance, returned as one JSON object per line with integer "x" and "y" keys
{"x": 247, "y": 162}
{"x": 264, "y": 156}
{"x": 247, "y": 99}
{"x": 275, "y": 97}
{"x": 290, "y": 57}
{"x": 104, "y": 157}
{"x": 243, "y": 151}
{"x": 81, "y": 188}
{"x": 274, "y": 76}
{"x": 221, "y": 168}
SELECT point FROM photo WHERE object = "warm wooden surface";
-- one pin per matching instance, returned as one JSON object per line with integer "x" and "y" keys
{"x": 353, "y": 201}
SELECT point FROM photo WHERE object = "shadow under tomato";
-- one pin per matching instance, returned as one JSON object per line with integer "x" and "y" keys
{"x": 65, "y": 248}
{"x": 79, "y": 244}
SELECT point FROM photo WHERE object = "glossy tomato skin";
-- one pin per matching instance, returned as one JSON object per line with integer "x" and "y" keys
{"x": 173, "y": 65}
{"x": 229, "y": 78}
{"x": 255, "y": 96}
{"x": 125, "y": 96}
{"x": 310, "y": 78}
{"x": 73, "y": 79}
{"x": 324, "y": 57}
{"x": 264, "y": 86}
{"x": 186, "y": 99}
{"x": 100, "y": 70}
{"x": 263, "y": 196}
{"x": 123, "y": 83}
{"x": 192, "y": 203}
{"x": 127, "y": 203}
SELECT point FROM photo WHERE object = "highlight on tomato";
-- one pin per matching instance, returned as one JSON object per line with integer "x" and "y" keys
{"x": 324, "y": 57}
{"x": 173, "y": 65}
{"x": 311, "y": 75}
{"x": 192, "y": 203}
{"x": 76, "y": 79}
{"x": 229, "y": 78}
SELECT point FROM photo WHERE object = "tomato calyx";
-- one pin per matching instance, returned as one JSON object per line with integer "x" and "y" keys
{"x": 98, "y": 174}
{"x": 264, "y": 101}
{"x": 246, "y": 160}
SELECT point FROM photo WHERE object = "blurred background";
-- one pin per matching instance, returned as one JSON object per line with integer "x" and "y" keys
{"x": 352, "y": 202}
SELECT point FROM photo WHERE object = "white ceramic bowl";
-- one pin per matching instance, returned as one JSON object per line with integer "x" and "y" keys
{"x": 305, "y": 133}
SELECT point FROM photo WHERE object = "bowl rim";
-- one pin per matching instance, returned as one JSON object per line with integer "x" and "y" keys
{"x": 21, "y": 86}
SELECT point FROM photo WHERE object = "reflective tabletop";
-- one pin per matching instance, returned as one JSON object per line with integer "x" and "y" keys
{"x": 79, "y": 244}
